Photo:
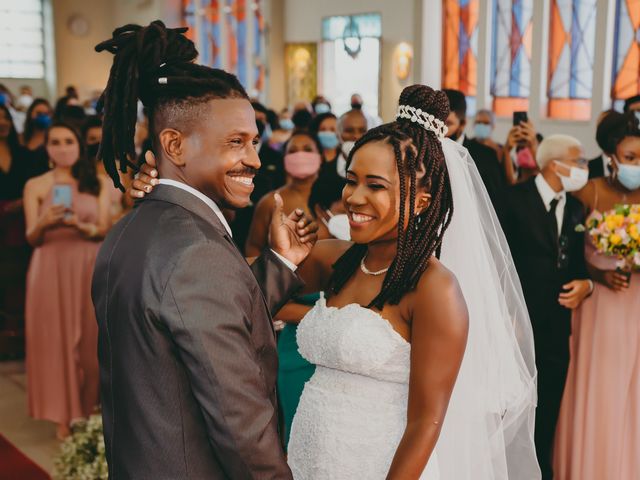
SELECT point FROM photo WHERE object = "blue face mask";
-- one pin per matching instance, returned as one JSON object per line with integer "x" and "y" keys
{"x": 322, "y": 108}
{"x": 629, "y": 175}
{"x": 328, "y": 140}
{"x": 286, "y": 124}
{"x": 42, "y": 121}
{"x": 482, "y": 130}
{"x": 4, "y": 99}
{"x": 266, "y": 135}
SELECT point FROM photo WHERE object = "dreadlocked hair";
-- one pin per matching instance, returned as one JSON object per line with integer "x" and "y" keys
{"x": 416, "y": 150}
{"x": 154, "y": 64}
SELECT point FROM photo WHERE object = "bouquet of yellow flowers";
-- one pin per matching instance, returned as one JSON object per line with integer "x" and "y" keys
{"x": 617, "y": 233}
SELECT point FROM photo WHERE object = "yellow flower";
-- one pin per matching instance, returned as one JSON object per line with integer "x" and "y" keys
{"x": 615, "y": 239}
{"x": 633, "y": 232}
{"x": 634, "y": 217}
{"x": 611, "y": 224}
{"x": 619, "y": 220}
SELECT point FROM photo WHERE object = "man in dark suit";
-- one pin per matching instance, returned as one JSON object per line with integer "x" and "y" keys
{"x": 540, "y": 224}
{"x": 187, "y": 351}
{"x": 485, "y": 158}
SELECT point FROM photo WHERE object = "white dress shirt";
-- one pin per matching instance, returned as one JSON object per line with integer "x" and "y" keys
{"x": 216, "y": 209}
{"x": 548, "y": 194}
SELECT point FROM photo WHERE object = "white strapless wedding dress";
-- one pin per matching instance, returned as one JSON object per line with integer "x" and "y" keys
{"x": 353, "y": 411}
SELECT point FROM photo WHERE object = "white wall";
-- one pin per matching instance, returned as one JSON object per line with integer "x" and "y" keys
{"x": 303, "y": 23}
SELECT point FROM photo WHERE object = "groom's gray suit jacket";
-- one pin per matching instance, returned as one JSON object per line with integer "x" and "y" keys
{"x": 187, "y": 351}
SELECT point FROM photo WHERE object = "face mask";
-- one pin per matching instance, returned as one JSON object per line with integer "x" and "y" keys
{"x": 356, "y": 106}
{"x": 577, "y": 179}
{"x": 4, "y": 99}
{"x": 322, "y": 108}
{"x": 42, "y": 121}
{"x": 629, "y": 175}
{"x": 286, "y": 124}
{"x": 482, "y": 130}
{"x": 302, "y": 164}
{"x": 328, "y": 140}
{"x": 347, "y": 147}
{"x": 24, "y": 101}
{"x": 64, "y": 156}
{"x": 524, "y": 158}
{"x": 338, "y": 227}
{"x": 92, "y": 150}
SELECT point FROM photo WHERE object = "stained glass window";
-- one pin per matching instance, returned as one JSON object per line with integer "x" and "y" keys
{"x": 229, "y": 34}
{"x": 572, "y": 41}
{"x": 626, "y": 51}
{"x": 511, "y": 55}
{"x": 460, "y": 48}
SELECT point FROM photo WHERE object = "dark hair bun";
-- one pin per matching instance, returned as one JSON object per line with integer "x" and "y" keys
{"x": 434, "y": 102}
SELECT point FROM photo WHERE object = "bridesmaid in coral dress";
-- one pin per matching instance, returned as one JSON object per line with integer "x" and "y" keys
{"x": 598, "y": 434}
{"x": 67, "y": 214}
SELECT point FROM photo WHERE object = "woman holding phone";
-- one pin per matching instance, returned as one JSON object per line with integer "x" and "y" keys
{"x": 67, "y": 214}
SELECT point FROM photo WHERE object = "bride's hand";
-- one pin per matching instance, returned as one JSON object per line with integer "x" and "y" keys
{"x": 146, "y": 178}
{"x": 292, "y": 236}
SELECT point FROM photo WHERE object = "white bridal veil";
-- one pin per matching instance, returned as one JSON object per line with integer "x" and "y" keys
{"x": 488, "y": 430}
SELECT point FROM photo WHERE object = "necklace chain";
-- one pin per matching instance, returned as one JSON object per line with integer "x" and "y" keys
{"x": 366, "y": 271}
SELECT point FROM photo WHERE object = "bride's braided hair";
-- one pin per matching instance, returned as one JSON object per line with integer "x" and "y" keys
{"x": 415, "y": 149}
{"x": 154, "y": 64}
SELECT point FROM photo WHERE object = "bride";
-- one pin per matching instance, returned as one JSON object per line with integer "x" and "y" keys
{"x": 425, "y": 366}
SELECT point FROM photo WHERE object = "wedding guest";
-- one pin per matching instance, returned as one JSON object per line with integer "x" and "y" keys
{"x": 39, "y": 116}
{"x": 320, "y": 105}
{"x": 280, "y": 136}
{"x": 520, "y": 153}
{"x": 302, "y": 161}
{"x": 357, "y": 104}
{"x": 599, "y": 428}
{"x": 484, "y": 157}
{"x": 483, "y": 126}
{"x": 325, "y": 127}
{"x": 540, "y": 224}
{"x": 92, "y": 136}
{"x": 599, "y": 166}
{"x": 67, "y": 214}
{"x": 352, "y": 126}
{"x": 16, "y": 167}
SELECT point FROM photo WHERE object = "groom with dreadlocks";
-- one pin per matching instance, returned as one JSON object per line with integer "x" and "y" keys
{"x": 187, "y": 351}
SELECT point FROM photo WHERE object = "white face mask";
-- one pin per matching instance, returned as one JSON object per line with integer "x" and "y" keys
{"x": 338, "y": 226}
{"x": 577, "y": 179}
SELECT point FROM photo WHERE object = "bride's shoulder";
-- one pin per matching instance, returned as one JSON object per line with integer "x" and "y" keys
{"x": 438, "y": 284}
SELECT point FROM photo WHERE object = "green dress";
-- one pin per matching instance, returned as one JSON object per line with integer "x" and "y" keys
{"x": 293, "y": 370}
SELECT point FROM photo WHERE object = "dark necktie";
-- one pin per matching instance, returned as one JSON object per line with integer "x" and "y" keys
{"x": 551, "y": 215}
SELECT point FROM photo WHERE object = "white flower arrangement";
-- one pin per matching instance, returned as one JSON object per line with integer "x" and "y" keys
{"x": 82, "y": 454}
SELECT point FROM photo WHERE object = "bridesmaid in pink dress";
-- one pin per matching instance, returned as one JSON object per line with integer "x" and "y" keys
{"x": 61, "y": 329}
{"x": 598, "y": 434}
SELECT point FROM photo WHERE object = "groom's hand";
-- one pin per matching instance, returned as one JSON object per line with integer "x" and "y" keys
{"x": 292, "y": 237}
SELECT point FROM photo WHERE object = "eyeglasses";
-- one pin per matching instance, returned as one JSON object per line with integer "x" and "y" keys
{"x": 579, "y": 162}
{"x": 563, "y": 252}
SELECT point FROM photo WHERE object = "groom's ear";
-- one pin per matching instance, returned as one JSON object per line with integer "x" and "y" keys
{"x": 172, "y": 146}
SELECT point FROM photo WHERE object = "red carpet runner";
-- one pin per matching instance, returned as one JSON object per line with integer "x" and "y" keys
{"x": 16, "y": 466}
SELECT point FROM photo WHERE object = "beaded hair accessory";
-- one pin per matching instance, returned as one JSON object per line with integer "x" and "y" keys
{"x": 424, "y": 119}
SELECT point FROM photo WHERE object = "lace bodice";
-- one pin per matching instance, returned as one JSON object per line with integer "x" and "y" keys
{"x": 354, "y": 339}
{"x": 353, "y": 410}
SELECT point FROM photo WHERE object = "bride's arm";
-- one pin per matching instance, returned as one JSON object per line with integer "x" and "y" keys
{"x": 439, "y": 330}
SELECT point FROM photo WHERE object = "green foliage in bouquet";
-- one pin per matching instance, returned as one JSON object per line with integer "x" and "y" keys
{"x": 82, "y": 453}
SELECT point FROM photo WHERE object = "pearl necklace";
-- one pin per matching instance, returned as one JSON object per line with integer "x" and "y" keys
{"x": 366, "y": 271}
